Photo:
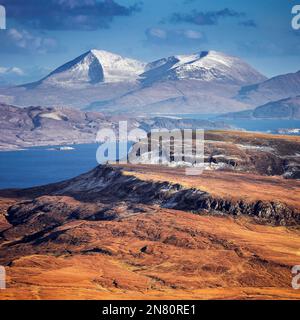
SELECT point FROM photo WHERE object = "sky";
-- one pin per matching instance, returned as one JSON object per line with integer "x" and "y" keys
{"x": 41, "y": 35}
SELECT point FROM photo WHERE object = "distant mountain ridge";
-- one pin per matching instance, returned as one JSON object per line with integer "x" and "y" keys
{"x": 204, "y": 82}
{"x": 40, "y": 126}
{"x": 283, "y": 109}
{"x": 104, "y": 81}
{"x": 276, "y": 88}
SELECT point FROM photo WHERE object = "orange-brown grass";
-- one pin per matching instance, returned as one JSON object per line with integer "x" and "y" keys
{"x": 225, "y": 184}
{"x": 234, "y": 134}
{"x": 164, "y": 255}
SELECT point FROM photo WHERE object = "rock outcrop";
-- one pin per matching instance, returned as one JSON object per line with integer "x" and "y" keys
{"x": 105, "y": 188}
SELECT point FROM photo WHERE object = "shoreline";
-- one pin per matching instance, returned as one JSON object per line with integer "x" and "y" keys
{"x": 62, "y": 144}
{"x": 57, "y": 145}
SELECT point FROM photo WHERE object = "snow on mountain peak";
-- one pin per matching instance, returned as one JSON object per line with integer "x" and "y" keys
{"x": 205, "y": 65}
{"x": 100, "y": 66}
{"x": 117, "y": 68}
{"x": 96, "y": 66}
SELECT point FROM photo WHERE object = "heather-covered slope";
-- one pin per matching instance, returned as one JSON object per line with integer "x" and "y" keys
{"x": 107, "y": 234}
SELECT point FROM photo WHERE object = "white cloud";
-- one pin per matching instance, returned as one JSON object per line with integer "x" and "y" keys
{"x": 158, "y": 33}
{"x": 174, "y": 36}
{"x": 12, "y": 71}
{"x": 192, "y": 34}
{"x": 22, "y": 41}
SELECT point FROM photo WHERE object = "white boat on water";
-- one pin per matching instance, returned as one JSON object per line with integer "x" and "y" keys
{"x": 65, "y": 148}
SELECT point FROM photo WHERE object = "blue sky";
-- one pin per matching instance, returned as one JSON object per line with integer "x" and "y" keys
{"x": 43, "y": 34}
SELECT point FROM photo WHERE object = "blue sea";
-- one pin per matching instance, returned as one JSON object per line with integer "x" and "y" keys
{"x": 43, "y": 165}
{"x": 39, "y": 166}
{"x": 268, "y": 126}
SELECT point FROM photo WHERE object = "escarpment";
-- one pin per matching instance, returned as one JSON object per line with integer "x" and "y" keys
{"x": 98, "y": 193}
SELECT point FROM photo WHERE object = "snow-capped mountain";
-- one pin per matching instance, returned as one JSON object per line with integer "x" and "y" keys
{"x": 204, "y": 82}
{"x": 93, "y": 67}
{"x": 99, "y": 66}
{"x": 206, "y": 66}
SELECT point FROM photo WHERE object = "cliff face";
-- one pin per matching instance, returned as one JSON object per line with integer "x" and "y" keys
{"x": 97, "y": 193}
{"x": 110, "y": 183}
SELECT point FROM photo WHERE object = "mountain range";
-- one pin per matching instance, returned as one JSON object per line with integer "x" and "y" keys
{"x": 203, "y": 82}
